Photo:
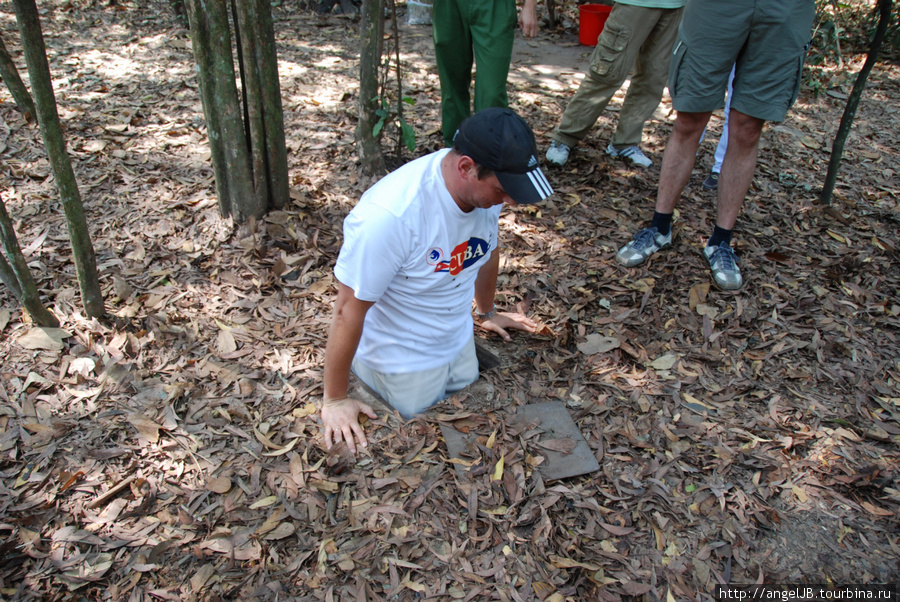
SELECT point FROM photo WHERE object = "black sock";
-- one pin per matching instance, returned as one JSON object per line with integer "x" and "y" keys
{"x": 662, "y": 222}
{"x": 720, "y": 236}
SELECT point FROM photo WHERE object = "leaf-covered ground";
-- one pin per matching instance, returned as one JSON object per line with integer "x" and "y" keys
{"x": 172, "y": 454}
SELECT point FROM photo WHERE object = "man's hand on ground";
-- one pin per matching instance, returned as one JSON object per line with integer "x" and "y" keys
{"x": 504, "y": 321}
{"x": 341, "y": 421}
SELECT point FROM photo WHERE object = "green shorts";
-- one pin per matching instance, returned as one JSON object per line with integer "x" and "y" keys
{"x": 765, "y": 41}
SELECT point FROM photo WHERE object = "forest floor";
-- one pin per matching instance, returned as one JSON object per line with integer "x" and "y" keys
{"x": 173, "y": 452}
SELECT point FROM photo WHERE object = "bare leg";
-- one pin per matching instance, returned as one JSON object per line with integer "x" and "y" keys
{"x": 678, "y": 158}
{"x": 737, "y": 168}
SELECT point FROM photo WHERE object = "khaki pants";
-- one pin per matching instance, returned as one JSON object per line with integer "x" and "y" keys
{"x": 411, "y": 393}
{"x": 633, "y": 36}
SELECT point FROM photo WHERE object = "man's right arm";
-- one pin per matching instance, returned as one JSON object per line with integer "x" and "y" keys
{"x": 340, "y": 413}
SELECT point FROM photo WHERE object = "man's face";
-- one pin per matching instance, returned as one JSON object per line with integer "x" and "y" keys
{"x": 487, "y": 192}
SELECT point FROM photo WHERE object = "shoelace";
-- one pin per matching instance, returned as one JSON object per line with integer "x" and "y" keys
{"x": 726, "y": 256}
{"x": 644, "y": 238}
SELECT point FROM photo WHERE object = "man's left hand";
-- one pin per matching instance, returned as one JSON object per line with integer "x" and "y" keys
{"x": 503, "y": 321}
{"x": 528, "y": 22}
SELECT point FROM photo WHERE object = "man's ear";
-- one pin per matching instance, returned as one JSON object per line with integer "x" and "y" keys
{"x": 467, "y": 168}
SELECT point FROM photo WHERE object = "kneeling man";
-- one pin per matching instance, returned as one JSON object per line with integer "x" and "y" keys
{"x": 419, "y": 246}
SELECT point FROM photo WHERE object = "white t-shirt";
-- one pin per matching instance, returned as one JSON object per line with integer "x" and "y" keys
{"x": 410, "y": 248}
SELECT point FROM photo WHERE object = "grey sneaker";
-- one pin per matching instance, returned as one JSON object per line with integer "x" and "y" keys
{"x": 644, "y": 244}
{"x": 632, "y": 154}
{"x": 712, "y": 181}
{"x": 724, "y": 266}
{"x": 558, "y": 153}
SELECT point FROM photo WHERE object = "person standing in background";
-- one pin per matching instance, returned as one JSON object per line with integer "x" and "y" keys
{"x": 480, "y": 32}
{"x": 766, "y": 42}
{"x": 712, "y": 180}
{"x": 639, "y": 34}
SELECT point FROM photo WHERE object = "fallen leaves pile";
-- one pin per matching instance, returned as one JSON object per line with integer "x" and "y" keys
{"x": 173, "y": 453}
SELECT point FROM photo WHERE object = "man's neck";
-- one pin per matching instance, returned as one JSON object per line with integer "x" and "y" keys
{"x": 452, "y": 181}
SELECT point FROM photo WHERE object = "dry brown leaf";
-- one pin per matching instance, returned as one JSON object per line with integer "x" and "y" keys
{"x": 595, "y": 343}
{"x": 146, "y": 427}
{"x": 44, "y": 338}
{"x": 617, "y": 530}
{"x": 219, "y": 484}
{"x": 565, "y": 446}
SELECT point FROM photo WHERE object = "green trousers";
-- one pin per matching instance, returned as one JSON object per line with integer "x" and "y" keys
{"x": 465, "y": 31}
{"x": 633, "y": 36}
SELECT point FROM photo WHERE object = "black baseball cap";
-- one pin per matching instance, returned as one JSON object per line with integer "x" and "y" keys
{"x": 499, "y": 140}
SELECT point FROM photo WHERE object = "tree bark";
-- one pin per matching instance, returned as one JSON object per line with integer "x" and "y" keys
{"x": 54, "y": 141}
{"x": 27, "y": 291}
{"x": 371, "y": 25}
{"x": 251, "y": 90}
{"x": 210, "y": 31}
{"x": 203, "y": 56}
{"x": 273, "y": 110}
{"x": 8, "y": 277}
{"x": 837, "y": 149}
{"x": 247, "y": 139}
{"x": 14, "y": 82}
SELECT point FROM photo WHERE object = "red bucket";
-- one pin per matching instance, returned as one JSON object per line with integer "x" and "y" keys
{"x": 591, "y": 19}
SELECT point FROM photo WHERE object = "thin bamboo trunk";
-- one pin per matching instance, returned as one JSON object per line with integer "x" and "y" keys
{"x": 27, "y": 292}
{"x": 54, "y": 141}
{"x": 10, "y": 75}
{"x": 202, "y": 55}
{"x": 273, "y": 111}
{"x": 371, "y": 31}
{"x": 837, "y": 149}
{"x": 246, "y": 34}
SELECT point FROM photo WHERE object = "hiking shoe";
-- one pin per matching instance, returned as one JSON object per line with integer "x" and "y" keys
{"x": 558, "y": 153}
{"x": 712, "y": 181}
{"x": 632, "y": 154}
{"x": 724, "y": 266}
{"x": 644, "y": 244}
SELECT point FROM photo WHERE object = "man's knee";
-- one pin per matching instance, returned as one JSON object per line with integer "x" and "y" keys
{"x": 744, "y": 129}
{"x": 690, "y": 125}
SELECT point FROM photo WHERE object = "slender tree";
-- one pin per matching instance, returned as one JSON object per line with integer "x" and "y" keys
{"x": 837, "y": 149}
{"x": 16, "y": 275}
{"x": 371, "y": 27}
{"x": 60, "y": 163}
{"x": 13, "y": 80}
{"x": 247, "y": 144}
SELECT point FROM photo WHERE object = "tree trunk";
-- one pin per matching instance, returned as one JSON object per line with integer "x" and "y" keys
{"x": 273, "y": 110}
{"x": 837, "y": 149}
{"x": 247, "y": 43}
{"x": 211, "y": 39}
{"x": 17, "y": 88}
{"x": 200, "y": 43}
{"x": 371, "y": 27}
{"x": 247, "y": 146}
{"x": 17, "y": 276}
{"x": 8, "y": 277}
{"x": 263, "y": 112}
{"x": 54, "y": 141}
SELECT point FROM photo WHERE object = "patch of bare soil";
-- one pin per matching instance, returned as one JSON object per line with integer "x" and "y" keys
{"x": 174, "y": 453}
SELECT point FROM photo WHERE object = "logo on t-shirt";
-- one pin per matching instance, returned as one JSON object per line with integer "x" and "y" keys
{"x": 435, "y": 254}
{"x": 463, "y": 255}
